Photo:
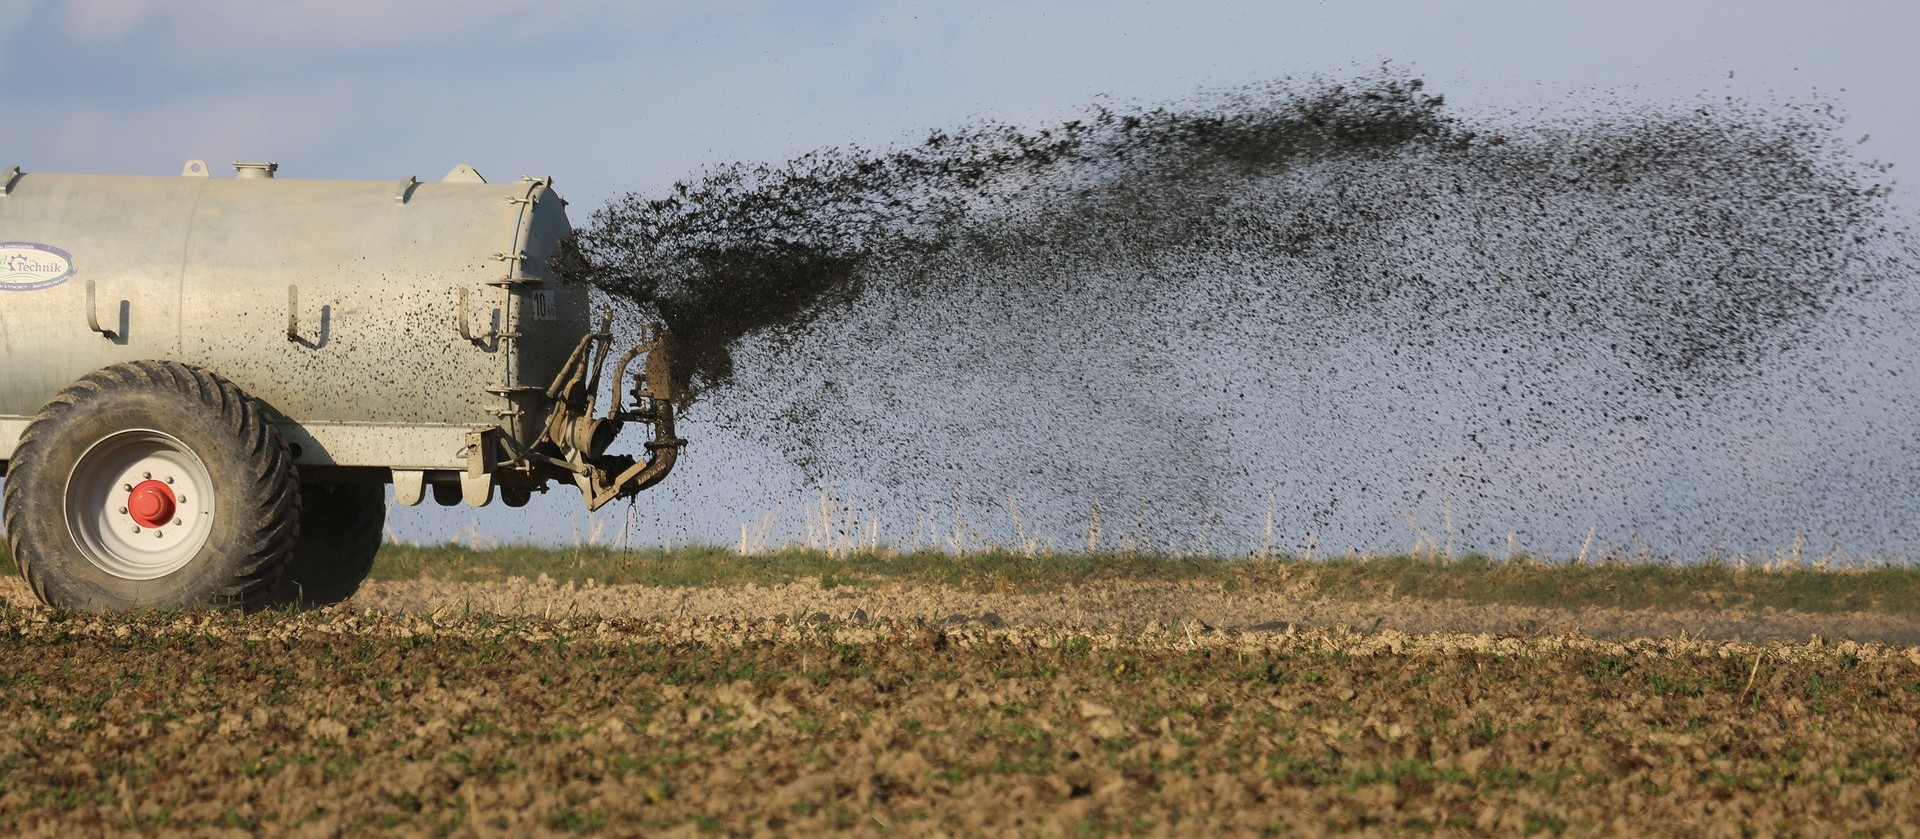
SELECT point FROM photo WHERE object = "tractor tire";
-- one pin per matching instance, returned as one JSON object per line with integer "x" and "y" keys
{"x": 152, "y": 485}
{"x": 340, "y": 526}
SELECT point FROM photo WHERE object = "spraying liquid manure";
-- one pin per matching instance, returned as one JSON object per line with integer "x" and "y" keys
{"x": 1306, "y": 315}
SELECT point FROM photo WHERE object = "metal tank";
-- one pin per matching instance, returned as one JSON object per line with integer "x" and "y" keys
{"x": 393, "y": 331}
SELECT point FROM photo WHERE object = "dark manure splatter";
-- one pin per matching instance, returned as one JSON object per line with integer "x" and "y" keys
{"x": 746, "y": 249}
{"x": 1323, "y": 308}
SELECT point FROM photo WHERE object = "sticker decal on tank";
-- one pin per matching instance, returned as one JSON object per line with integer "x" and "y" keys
{"x": 28, "y": 266}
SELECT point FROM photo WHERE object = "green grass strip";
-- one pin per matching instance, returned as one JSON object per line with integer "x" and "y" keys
{"x": 1885, "y": 589}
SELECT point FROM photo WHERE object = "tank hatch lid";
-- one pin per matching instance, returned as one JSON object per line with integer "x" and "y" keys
{"x": 463, "y": 174}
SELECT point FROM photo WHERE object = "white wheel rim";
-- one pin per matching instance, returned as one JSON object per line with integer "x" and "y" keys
{"x": 139, "y": 504}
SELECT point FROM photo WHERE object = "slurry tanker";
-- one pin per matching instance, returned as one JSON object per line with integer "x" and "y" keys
{"x": 209, "y": 381}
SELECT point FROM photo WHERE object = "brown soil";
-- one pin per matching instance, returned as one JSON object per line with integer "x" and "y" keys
{"x": 439, "y": 714}
{"x": 1124, "y": 605}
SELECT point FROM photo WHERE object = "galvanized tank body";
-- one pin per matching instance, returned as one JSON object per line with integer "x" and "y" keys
{"x": 385, "y": 320}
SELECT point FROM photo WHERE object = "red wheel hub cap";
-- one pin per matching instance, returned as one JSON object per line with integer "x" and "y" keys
{"x": 152, "y": 504}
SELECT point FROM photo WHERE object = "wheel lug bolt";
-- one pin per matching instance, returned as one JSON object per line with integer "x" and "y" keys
{"x": 157, "y": 534}
{"x": 169, "y": 479}
{"x": 127, "y": 487}
{"x": 136, "y": 528}
{"x": 180, "y": 498}
{"x": 148, "y": 475}
{"x": 176, "y": 521}
{"x": 123, "y": 511}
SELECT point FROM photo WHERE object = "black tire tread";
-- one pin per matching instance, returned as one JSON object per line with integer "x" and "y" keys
{"x": 342, "y": 527}
{"x": 269, "y": 462}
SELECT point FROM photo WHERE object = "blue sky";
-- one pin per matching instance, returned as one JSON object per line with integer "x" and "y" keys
{"x": 612, "y": 96}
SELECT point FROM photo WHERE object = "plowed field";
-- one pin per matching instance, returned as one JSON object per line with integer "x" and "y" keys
{"x": 453, "y": 720}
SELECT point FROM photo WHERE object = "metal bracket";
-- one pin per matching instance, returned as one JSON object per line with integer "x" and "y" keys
{"x": 93, "y": 317}
{"x": 477, "y": 490}
{"x": 476, "y": 484}
{"x": 405, "y": 191}
{"x": 409, "y": 486}
{"x": 6, "y": 187}
{"x": 466, "y": 330}
{"x": 463, "y": 174}
{"x": 293, "y": 313}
